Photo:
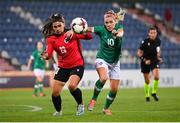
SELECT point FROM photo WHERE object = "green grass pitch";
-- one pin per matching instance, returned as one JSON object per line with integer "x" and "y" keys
{"x": 129, "y": 105}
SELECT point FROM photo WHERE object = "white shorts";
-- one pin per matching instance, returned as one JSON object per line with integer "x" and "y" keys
{"x": 112, "y": 69}
{"x": 39, "y": 72}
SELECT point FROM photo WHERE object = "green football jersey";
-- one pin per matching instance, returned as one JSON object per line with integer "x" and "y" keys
{"x": 38, "y": 61}
{"x": 110, "y": 46}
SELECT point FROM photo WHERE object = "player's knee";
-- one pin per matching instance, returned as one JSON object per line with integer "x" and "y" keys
{"x": 103, "y": 79}
{"x": 71, "y": 87}
{"x": 55, "y": 92}
{"x": 156, "y": 77}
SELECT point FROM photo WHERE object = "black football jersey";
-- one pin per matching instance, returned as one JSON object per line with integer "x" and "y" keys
{"x": 149, "y": 48}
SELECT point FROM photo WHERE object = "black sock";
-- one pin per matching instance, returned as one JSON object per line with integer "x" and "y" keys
{"x": 57, "y": 102}
{"x": 77, "y": 95}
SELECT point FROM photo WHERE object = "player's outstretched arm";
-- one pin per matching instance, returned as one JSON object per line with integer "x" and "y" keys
{"x": 90, "y": 29}
{"x": 29, "y": 63}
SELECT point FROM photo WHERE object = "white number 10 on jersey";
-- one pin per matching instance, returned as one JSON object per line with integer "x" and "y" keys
{"x": 110, "y": 42}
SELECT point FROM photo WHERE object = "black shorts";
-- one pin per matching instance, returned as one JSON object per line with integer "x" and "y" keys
{"x": 147, "y": 68}
{"x": 63, "y": 74}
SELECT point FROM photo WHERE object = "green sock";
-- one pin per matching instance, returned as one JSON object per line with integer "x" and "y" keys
{"x": 40, "y": 87}
{"x": 36, "y": 88}
{"x": 147, "y": 89}
{"x": 155, "y": 86}
{"x": 97, "y": 89}
{"x": 109, "y": 99}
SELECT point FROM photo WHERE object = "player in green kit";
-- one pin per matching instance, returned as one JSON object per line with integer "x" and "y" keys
{"x": 107, "y": 59}
{"x": 38, "y": 69}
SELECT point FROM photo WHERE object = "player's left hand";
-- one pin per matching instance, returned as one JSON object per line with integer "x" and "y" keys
{"x": 69, "y": 34}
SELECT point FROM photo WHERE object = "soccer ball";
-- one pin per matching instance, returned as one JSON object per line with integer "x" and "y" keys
{"x": 79, "y": 25}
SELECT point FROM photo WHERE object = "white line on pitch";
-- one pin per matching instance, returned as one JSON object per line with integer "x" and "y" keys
{"x": 33, "y": 108}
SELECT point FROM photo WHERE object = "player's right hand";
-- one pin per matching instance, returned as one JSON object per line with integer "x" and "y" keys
{"x": 147, "y": 62}
{"x": 44, "y": 55}
{"x": 114, "y": 32}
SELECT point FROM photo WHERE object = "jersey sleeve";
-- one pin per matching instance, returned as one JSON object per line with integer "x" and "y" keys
{"x": 158, "y": 45}
{"x": 49, "y": 47}
{"x": 86, "y": 36}
{"x": 98, "y": 29}
{"x": 33, "y": 55}
{"x": 142, "y": 45}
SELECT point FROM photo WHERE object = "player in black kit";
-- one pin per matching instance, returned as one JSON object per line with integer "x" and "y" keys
{"x": 149, "y": 53}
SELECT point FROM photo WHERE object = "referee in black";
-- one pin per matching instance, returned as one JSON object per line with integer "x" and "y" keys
{"x": 149, "y": 53}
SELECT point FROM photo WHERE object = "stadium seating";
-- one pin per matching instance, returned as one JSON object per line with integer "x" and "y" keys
{"x": 159, "y": 9}
{"x": 18, "y": 36}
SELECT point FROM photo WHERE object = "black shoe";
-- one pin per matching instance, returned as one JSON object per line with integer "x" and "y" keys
{"x": 147, "y": 99}
{"x": 156, "y": 98}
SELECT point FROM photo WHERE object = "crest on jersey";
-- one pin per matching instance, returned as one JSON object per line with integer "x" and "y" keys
{"x": 66, "y": 40}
